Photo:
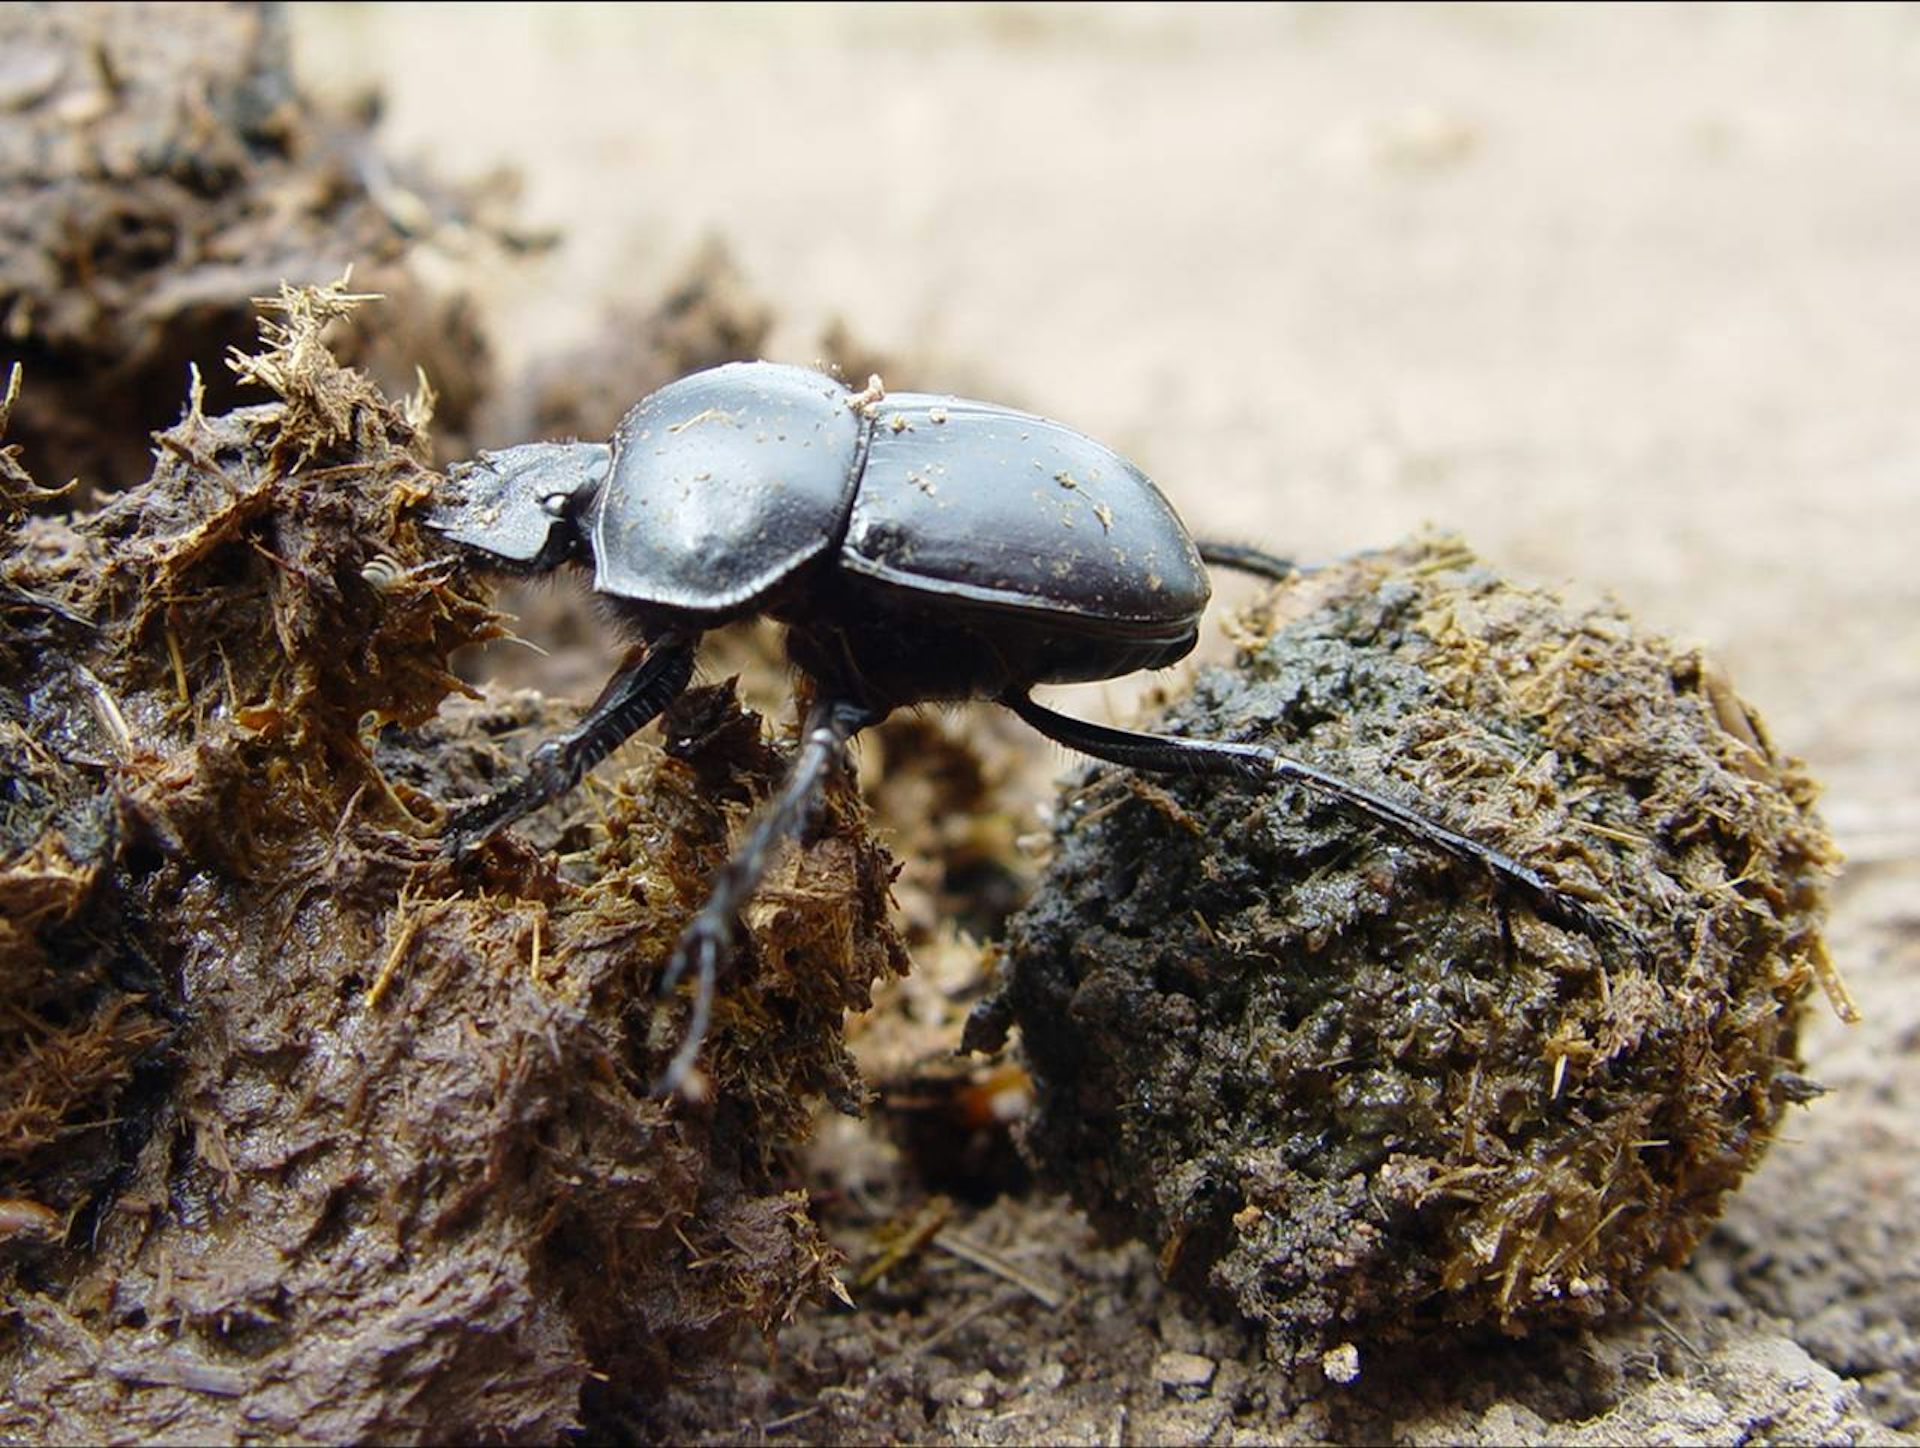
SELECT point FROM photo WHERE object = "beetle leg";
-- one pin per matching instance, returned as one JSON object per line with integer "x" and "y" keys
{"x": 631, "y": 700}
{"x": 1168, "y": 754}
{"x": 709, "y": 935}
{"x": 1245, "y": 559}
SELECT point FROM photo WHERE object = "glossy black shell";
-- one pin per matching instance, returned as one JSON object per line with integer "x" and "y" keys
{"x": 724, "y": 484}
{"x": 921, "y": 547}
{"x": 1012, "y": 511}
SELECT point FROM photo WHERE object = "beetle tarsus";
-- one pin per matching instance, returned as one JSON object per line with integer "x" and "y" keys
{"x": 632, "y": 698}
{"x": 704, "y": 944}
{"x": 1168, "y": 754}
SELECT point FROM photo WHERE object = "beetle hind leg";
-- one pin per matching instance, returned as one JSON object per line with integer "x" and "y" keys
{"x": 632, "y": 698}
{"x": 1169, "y": 754}
{"x": 1244, "y": 558}
{"x": 709, "y": 936}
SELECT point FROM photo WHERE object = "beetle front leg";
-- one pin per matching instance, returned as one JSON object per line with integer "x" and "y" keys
{"x": 632, "y": 698}
{"x": 709, "y": 936}
{"x": 1170, "y": 754}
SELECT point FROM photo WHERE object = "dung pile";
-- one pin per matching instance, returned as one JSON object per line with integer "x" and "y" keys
{"x": 303, "y": 1133}
{"x": 157, "y": 171}
{"x": 1342, "y": 1083}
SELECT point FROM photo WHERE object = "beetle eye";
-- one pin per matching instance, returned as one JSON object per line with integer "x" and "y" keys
{"x": 555, "y": 504}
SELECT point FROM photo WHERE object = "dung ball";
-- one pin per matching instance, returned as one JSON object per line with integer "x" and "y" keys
{"x": 1350, "y": 1085}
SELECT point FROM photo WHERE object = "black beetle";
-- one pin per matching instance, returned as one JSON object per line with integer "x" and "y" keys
{"x": 918, "y": 549}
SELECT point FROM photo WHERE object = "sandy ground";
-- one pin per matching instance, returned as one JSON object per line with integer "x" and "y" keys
{"x": 1628, "y": 297}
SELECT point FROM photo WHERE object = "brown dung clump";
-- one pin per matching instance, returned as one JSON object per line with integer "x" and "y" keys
{"x": 158, "y": 169}
{"x": 1339, "y": 1080}
{"x": 303, "y": 1133}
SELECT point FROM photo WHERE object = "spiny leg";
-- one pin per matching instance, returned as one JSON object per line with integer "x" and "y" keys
{"x": 1166, "y": 754}
{"x": 705, "y": 941}
{"x": 1243, "y": 558}
{"x": 632, "y": 698}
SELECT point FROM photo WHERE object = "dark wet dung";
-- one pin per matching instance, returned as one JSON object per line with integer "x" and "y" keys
{"x": 1340, "y": 1081}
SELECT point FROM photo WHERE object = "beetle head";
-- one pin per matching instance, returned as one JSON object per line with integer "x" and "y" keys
{"x": 524, "y": 505}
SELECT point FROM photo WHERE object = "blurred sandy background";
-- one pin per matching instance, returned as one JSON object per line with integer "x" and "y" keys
{"x": 1630, "y": 296}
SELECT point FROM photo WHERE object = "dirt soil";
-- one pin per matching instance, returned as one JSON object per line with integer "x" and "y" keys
{"x": 1625, "y": 299}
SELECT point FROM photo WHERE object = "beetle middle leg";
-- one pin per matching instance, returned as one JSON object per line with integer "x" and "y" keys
{"x": 632, "y": 698}
{"x": 704, "y": 944}
{"x": 1170, "y": 754}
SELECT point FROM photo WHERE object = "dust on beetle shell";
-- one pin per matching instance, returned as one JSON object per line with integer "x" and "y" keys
{"x": 1343, "y": 1083}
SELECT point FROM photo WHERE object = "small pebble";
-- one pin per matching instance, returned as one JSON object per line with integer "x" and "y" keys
{"x": 1046, "y": 1378}
{"x": 29, "y": 74}
{"x": 1341, "y": 1364}
{"x": 1183, "y": 1370}
{"x": 975, "y": 1391}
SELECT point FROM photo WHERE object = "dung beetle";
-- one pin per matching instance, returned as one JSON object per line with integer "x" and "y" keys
{"x": 918, "y": 548}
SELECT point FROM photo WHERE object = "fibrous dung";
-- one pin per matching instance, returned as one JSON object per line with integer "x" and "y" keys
{"x": 1353, "y": 1086}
